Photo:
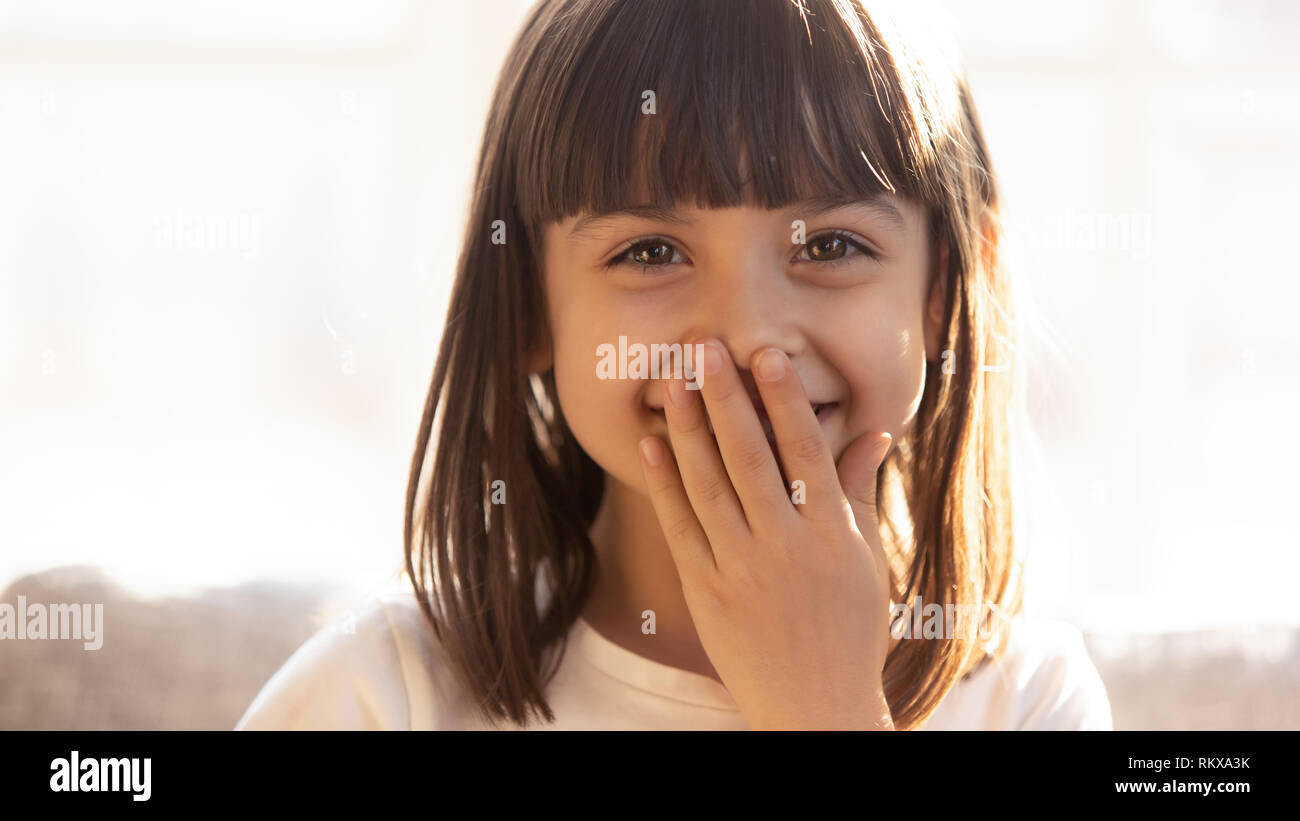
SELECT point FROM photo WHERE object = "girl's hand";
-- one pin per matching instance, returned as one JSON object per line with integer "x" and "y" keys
{"x": 790, "y": 601}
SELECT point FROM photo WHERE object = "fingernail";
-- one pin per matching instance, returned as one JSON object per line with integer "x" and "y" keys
{"x": 651, "y": 451}
{"x": 712, "y": 359}
{"x": 771, "y": 365}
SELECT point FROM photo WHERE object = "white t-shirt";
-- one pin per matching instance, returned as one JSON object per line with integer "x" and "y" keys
{"x": 380, "y": 668}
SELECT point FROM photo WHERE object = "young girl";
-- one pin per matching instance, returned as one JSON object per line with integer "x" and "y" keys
{"x": 807, "y": 524}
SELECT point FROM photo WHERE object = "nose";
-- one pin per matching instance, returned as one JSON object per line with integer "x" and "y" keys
{"x": 749, "y": 309}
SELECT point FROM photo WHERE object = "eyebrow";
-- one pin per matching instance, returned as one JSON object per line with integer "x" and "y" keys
{"x": 590, "y": 224}
{"x": 876, "y": 205}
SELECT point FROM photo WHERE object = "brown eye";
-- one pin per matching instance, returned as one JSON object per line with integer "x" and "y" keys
{"x": 835, "y": 248}
{"x": 825, "y": 249}
{"x": 647, "y": 253}
{"x": 652, "y": 252}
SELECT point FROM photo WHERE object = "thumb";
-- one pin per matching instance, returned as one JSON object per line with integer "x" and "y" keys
{"x": 857, "y": 472}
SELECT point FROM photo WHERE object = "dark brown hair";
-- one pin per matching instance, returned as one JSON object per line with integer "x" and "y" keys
{"x": 815, "y": 98}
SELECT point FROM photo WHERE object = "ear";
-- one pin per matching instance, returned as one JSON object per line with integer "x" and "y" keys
{"x": 936, "y": 303}
{"x": 541, "y": 357}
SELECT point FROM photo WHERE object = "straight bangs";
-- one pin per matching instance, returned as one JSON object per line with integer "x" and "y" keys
{"x": 723, "y": 103}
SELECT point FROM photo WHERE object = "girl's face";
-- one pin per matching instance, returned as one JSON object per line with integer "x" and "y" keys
{"x": 853, "y": 308}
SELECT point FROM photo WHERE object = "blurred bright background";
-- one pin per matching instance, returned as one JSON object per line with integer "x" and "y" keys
{"x": 227, "y": 232}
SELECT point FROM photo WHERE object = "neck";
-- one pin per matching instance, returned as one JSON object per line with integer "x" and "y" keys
{"x": 636, "y": 573}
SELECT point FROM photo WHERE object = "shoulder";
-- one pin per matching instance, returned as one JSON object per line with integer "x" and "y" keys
{"x": 1043, "y": 680}
{"x": 355, "y": 673}
{"x": 1057, "y": 684}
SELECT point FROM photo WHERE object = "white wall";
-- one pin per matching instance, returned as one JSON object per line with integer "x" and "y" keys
{"x": 226, "y": 230}
{"x": 1148, "y": 151}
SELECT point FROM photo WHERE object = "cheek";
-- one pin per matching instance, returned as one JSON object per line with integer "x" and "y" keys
{"x": 883, "y": 362}
{"x": 607, "y": 416}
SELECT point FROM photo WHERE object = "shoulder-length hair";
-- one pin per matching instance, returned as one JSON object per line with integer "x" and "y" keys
{"x": 603, "y": 104}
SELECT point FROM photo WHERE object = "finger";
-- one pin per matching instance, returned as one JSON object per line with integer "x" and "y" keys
{"x": 800, "y": 440}
{"x": 686, "y": 538}
{"x": 700, "y": 465}
{"x": 857, "y": 474}
{"x": 747, "y": 454}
